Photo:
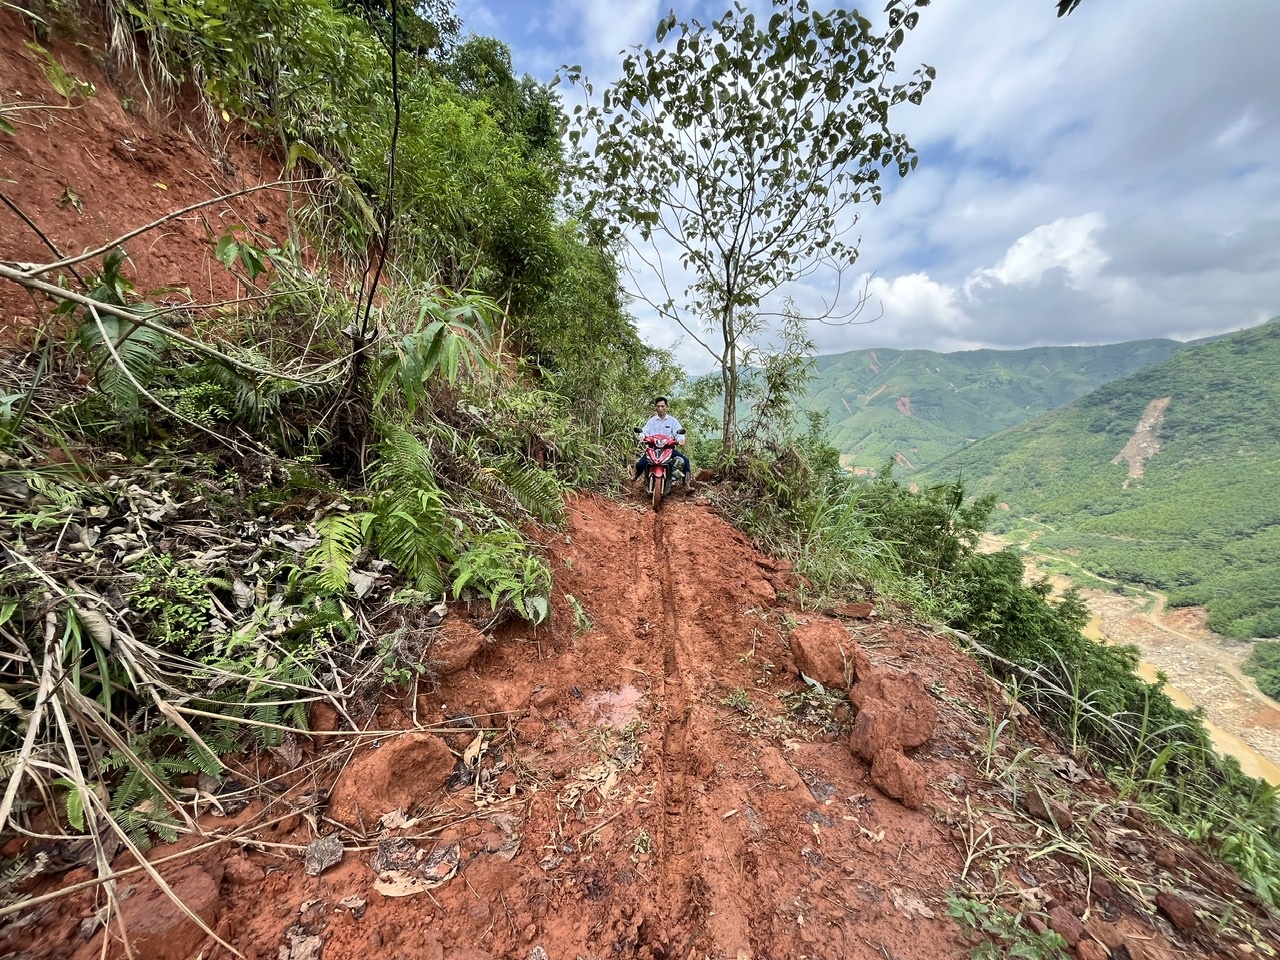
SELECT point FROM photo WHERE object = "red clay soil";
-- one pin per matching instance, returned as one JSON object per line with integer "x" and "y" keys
{"x": 650, "y": 784}
{"x": 88, "y": 170}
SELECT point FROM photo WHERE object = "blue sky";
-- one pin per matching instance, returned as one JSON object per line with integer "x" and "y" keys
{"x": 1108, "y": 176}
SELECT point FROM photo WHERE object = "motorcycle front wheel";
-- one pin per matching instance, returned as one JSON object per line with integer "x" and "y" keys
{"x": 657, "y": 491}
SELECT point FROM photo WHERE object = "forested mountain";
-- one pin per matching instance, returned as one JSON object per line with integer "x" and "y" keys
{"x": 1188, "y": 504}
{"x": 917, "y": 406}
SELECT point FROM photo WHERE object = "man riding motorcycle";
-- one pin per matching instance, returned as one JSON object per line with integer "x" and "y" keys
{"x": 665, "y": 424}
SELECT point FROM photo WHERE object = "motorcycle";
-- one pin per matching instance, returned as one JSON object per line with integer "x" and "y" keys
{"x": 659, "y": 472}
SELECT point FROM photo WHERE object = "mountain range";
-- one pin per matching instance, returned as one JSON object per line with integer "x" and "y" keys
{"x": 917, "y": 406}
{"x": 1169, "y": 477}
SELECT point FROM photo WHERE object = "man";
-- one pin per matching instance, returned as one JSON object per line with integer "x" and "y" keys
{"x": 663, "y": 423}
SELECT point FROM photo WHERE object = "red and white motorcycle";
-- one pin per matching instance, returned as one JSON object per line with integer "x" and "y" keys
{"x": 659, "y": 470}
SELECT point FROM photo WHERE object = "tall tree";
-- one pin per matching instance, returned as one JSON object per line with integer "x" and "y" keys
{"x": 744, "y": 145}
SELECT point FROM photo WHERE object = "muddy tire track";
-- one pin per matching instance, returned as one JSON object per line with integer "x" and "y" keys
{"x": 677, "y": 699}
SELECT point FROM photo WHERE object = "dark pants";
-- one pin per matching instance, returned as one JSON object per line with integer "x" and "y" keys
{"x": 676, "y": 456}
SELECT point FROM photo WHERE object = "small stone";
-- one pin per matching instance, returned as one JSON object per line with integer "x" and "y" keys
{"x": 900, "y": 777}
{"x": 821, "y": 649}
{"x": 459, "y": 644}
{"x": 876, "y": 728}
{"x": 1090, "y": 950}
{"x": 1034, "y": 922}
{"x": 906, "y": 695}
{"x": 544, "y": 697}
{"x": 1166, "y": 858}
{"x": 1050, "y": 811}
{"x": 1067, "y": 925}
{"x": 1179, "y": 912}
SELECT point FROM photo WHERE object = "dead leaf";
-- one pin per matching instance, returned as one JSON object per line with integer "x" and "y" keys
{"x": 1069, "y": 770}
{"x": 910, "y": 906}
{"x": 361, "y": 583}
{"x": 322, "y": 854}
{"x": 242, "y": 593}
{"x": 396, "y": 820}
{"x": 473, "y": 751}
{"x": 97, "y": 624}
{"x": 355, "y": 904}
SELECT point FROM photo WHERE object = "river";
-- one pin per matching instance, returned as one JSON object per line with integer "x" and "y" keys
{"x": 1202, "y": 668}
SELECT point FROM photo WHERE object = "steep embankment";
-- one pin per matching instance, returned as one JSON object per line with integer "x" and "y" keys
{"x": 1166, "y": 478}
{"x": 87, "y": 166}
{"x": 919, "y": 405}
{"x": 649, "y": 777}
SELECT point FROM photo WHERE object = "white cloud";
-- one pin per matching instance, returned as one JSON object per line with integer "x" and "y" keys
{"x": 1105, "y": 176}
{"x": 1066, "y": 244}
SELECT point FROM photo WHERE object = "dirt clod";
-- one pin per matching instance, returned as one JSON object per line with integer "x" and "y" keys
{"x": 405, "y": 772}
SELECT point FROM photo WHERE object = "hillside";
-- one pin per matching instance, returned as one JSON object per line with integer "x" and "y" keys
{"x": 1166, "y": 478}
{"x": 648, "y": 776}
{"x": 917, "y": 406}
{"x": 328, "y": 632}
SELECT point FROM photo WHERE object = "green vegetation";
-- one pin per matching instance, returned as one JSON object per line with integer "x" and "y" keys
{"x": 1002, "y": 934}
{"x": 916, "y": 551}
{"x": 1264, "y": 666}
{"x": 703, "y": 148}
{"x": 1202, "y": 524}
{"x": 954, "y": 399}
{"x": 253, "y": 509}
{"x": 211, "y": 523}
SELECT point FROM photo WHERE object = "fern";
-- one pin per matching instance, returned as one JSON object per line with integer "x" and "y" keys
{"x": 121, "y": 351}
{"x": 534, "y": 489}
{"x": 341, "y": 537}
{"x": 412, "y": 526}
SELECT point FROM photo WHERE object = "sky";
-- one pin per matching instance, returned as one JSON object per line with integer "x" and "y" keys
{"x": 1112, "y": 175}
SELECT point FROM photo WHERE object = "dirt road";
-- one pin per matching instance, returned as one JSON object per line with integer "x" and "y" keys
{"x": 1202, "y": 667}
{"x": 647, "y": 777}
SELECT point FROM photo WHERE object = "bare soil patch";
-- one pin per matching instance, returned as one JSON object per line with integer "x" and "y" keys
{"x": 646, "y": 778}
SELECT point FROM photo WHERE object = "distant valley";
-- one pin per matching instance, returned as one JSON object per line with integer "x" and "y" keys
{"x": 1169, "y": 477}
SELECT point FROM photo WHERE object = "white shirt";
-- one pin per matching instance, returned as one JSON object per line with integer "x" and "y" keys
{"x": 656, "y": 425}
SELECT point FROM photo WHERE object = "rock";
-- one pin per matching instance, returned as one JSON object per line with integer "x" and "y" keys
{"x": 1067, "y": 925}
{"x": 821, "y": 649}
{"x": 544, "y": 697}
{"x": 900, "y": 777}
{"x": 158, "y": 928}
{"x": 917, "y": 714}
{"x": 404, "y": 772}
{"x": 243, "y": 872}
{"x": 854, "y": 611}
{"x": 1180, "y": 913}
{"x": 458, "y": 645}
{"x": 323, "y": 717}
{"x": 1050, "y": 811}
{"x": 1166, "y": 858}
{"x": 1090, "y": 950}
{"x": 876, "y": 728}
{"x": 1107, "y": 933}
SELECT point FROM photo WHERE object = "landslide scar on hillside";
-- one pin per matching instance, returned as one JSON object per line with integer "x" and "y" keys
{"x": 1145, "y": 442}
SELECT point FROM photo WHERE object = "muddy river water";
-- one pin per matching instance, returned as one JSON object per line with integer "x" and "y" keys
{"x": 1202, "y": 669}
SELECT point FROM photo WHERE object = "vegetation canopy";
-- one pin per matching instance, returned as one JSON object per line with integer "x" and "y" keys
{"x": 742, "y": 147}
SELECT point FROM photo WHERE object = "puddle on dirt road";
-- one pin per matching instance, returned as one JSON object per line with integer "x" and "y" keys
{"x": 616, "y": 708}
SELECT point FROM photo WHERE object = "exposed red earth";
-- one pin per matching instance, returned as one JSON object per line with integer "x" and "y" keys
{"x": 647, "y": 779}
{"x": 88, "y": 169}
